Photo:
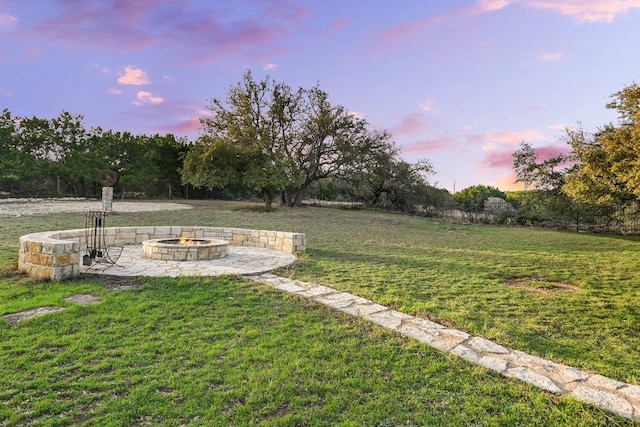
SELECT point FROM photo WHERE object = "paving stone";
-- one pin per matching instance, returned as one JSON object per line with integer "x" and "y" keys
{"x": 389, "y": 319}
{"x": 539, "y": 364}
{"x": 14, "y": 318}
{"x": 605, "y": 400}
{"x": 241, "y": 260}
{"x": 483, "y": 345}
{"x": 428, "y": 324}
{"x": 316, "y": 291}
{"x": 531, "y": 377}
{"x": 598, "y": 381}
{"x": 568, "y": 374}
{"x": 631, "y": 391}
{"x": 289, "y": 287}
{"x": 341, "y": 300}
{"x": 83, "y": 299}
{"x": 362, "y": 310}
{"x": 493, "y": 363}
{"x": 417, "y": 334}
{"x": 446, "y": 342}
{"x": 443, "y": 339}
{"x": 561, "y": 374}
{"x": 465, "y": 353}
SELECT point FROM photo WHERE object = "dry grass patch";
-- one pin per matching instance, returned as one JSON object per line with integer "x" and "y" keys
{"x": 542, "y": 286}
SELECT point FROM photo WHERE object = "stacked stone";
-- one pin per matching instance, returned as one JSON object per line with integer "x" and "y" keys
{"x": 48, "y": 258}
{"x": 107, "y": 199}
{"x": 208, "y": 249}
{"x": 55, "y": 255}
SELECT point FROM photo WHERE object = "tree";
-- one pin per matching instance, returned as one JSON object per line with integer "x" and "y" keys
{"x": 473, "y": 198}
{"x": 242, "y": 142}
{"x": 545, "y": 175}
{"x": 548, "y": 201}
{"x": 328, "y": 142}
{"x": 391, "y": 182}
{"x": 13, "y": 164}
{"x": 607, "y": 171}
{"x": 277, "y": 140}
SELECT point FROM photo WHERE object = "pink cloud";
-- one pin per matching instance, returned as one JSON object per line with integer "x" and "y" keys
{"x": 144, "y": 97}
{"x": 426, "y": 146}
{"x": 204, "y": 31}
{"x": 581, "y": 11}
{"x": 189, "y": 126}
{"x": 409, "y": 29}
{"x": 587, "y": 11}
{"x": 549, "y": 151}
{"x": 508, "y": 183}
{"x": 411, "y": 124}
{"x": 498, "y": 160}
{"x": 340, "y": 24}
{"x": 509, "y": 138}
{"x": 7, "y": 20}
{"x": 503, "y": 159}
{"x": 493, "y": 5}
{"x": 133, "y": 76}
{"x": 548, "y": 57}
{"x": 428, "y": 105}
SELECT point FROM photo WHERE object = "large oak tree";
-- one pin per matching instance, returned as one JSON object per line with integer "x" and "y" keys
{"x": 279, "y": 140}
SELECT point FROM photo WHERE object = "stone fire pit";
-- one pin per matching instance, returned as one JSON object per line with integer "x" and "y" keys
{"x": 184, "y": 249}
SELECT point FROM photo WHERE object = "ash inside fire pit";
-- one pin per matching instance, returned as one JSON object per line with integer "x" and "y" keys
{"x": 184, "y": 249}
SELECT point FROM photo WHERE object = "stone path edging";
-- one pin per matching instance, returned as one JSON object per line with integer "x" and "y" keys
{"x": 610, "y": 395}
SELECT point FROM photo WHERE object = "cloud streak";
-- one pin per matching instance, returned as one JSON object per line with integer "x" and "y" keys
{"x": 587, "y": 11}
{"x": 411, "y": 124}
{"x": 191, "y": 31}
{"x": 581, "y": 11}
{"x": 188, "y": 126}
{"x": 7, "y": 21}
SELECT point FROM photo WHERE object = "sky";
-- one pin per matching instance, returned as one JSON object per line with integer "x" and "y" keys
{"x": 460, "y": 83}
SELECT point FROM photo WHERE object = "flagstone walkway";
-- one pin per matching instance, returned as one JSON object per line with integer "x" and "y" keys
{"x": 611, "y": 395}
{"x": 240, "y": 260}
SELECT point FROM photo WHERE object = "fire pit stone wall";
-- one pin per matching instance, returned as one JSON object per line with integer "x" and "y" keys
{"x": 55, "y": 255}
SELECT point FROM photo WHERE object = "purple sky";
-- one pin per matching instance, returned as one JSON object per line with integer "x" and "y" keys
{"x": 458, "y": 82}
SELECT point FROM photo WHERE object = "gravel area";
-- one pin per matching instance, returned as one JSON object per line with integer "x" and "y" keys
{"x": 20, "y": 207}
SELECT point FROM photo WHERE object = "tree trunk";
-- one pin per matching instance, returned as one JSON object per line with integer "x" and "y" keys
{"x": 268, "y": 198}
{"x": 297, "y": 201}
{"x": 287, "y": 197}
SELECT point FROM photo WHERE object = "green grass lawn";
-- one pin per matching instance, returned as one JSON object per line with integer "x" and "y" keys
{"x": 233, "y": 352}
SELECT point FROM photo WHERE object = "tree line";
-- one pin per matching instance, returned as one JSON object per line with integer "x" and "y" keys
{"x": 266, "y": 139}
{"x": 59, "y": 157}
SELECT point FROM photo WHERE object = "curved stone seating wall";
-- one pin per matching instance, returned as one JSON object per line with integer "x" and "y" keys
{"x": 55, "y": 255}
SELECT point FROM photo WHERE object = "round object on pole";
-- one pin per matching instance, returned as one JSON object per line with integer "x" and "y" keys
{"x": 108, "y": 178}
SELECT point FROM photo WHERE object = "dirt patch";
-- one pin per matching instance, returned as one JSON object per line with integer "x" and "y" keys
{"x": 113, "y": 283}
{"x": 20, "y": 207}
{"x": 541, "y": 286}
